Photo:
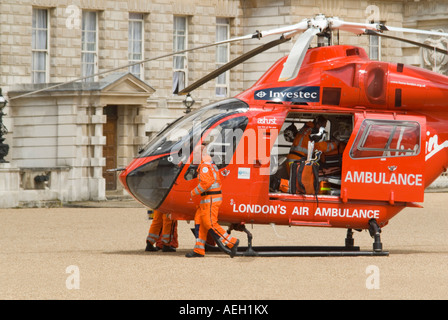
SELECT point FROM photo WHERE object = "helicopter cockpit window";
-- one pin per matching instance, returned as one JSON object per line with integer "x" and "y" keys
{"x": 180, "y": 137}
{"x": 222, "y": 142}
{"x": 224, "y": 138}
{"x": 378, "y": 138}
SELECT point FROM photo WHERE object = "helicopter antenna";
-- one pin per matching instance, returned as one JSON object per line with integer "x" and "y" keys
{"x": 275, "y": 231}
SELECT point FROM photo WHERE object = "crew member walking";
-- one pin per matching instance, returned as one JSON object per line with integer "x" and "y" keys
{"x": 209, "y": 188}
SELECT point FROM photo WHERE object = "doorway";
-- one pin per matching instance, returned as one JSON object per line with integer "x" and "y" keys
{"x": 338, "y": 130}
{"x": 110, "y": 148}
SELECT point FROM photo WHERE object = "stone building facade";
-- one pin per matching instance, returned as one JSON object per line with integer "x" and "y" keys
{"x": 62, "y": 141}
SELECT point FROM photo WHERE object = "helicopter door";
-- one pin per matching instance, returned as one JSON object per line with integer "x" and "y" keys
{"x": 384, "y": 159}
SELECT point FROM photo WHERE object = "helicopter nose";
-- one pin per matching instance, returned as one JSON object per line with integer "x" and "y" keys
{"x": 149, "y": 180}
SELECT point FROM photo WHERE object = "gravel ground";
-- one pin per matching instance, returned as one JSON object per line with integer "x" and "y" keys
{"x": 90, "y": 253}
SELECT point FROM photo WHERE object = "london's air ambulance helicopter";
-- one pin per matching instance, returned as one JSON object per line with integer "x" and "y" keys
{"x": 390, "y": 122}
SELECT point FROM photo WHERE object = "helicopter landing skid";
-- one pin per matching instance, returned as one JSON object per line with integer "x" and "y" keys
{"x": 308, "y": 251}
{"x": 305, "y": 251}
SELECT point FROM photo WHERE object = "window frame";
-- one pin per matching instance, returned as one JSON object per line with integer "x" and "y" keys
{"x": 375, "y": 48}
{"x": 219, "y": 84}
{"x": 214, "y": 146}
{"x": 366, "y": 130}
{"x": 133, "y": 21}
{"x": 224, "y": 149}
{"x": 85, "y": 52}
{"x": 178, "y": 82}
{"x": 35, "y": 51}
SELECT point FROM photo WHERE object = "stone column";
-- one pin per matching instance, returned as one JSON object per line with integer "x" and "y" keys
{"x": 97, "y": 183}
{"x": 9, "y": 186}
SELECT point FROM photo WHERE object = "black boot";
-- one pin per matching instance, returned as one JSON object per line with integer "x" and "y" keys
{"x": 150, "y": 247}
{"x": 234, "y": 249}
{"x": 168, "y": 249}
{"x": 193, "y": 254}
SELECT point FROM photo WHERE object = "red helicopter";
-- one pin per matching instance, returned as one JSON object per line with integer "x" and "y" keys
{"x": 389, "y": 120}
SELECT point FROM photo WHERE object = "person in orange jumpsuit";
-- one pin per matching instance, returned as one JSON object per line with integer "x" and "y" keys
{"x": 209, "y": 188}
{"x": 162, "y": 233}
{"x": 299, "y": 148}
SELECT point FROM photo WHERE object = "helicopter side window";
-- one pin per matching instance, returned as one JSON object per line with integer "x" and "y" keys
{"x": 222, "y": 142}
{"x": 378, "y": 138}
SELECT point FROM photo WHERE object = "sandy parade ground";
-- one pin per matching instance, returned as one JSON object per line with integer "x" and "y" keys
{"x": 91, "y": 253}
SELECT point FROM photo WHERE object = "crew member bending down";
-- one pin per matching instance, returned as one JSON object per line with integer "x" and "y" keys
{"x": 206, "y": 216}
{"x": 299, "y": 148}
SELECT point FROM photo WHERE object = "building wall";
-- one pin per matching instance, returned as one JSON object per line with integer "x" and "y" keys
{"x": 429, "y": 15}
{"x": 65, "y": 44}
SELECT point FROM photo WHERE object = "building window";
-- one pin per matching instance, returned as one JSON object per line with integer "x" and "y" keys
{"x": 89, "y": 51}
{"x": 135, "y": 50}
{"x": 375, "y": 46}
{"x": 40, "y": 45}
{"x": 179, "y": 60}
{"x": 222, "y": 56}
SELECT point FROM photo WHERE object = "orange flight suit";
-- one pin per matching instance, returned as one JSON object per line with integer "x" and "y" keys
{"x": 163, "y": 231}
{"x": 206, "y": 216}
{"x": 299, "y": 148}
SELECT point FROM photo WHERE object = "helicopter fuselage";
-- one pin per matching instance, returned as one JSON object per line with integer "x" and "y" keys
{"x": 390, "y": 119}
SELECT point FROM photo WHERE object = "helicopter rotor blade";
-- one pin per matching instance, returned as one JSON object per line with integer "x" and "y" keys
{"x": 419, "y": 44}
{"x": 353, "y": 27}
{"x": 309, "y": 27}
{"x": 301, "y": 26}
{"x": 294, "y": 61}
{"x": 232, "y": 64}
{"x": 360, "y": 28}
{"x": 408, "y": 30}
{"x": 321, "y": 23}
{"x": 246, "y": 37}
